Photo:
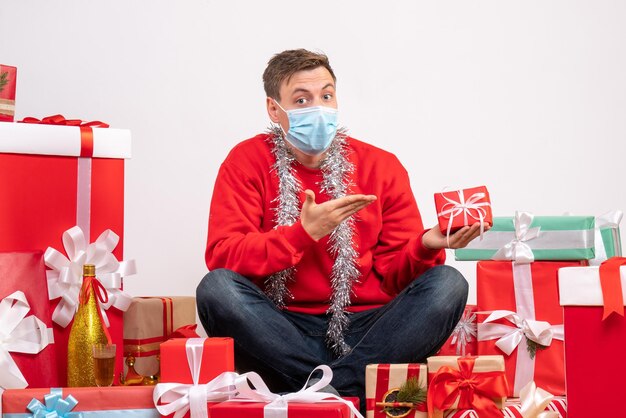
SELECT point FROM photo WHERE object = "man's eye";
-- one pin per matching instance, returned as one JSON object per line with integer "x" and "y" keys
{"x": 328, "y": 96}
{"x": 301, "y": 101}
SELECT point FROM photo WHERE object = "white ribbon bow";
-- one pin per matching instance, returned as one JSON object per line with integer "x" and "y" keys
{"x": 517, "y": 250}
{"x": 534, "y": 401}
{"x": 179, "y": 398}
{"x": 464, "y": 332}
{"x": 278, "y": 404}
{"x": 509, "y": 337}
{"x": 19, "y": 334}
{"x": 470, "y": 207}
{"x": 65, "y": 278}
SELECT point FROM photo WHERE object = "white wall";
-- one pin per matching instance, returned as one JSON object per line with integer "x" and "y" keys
{"x": 528, "y": 98}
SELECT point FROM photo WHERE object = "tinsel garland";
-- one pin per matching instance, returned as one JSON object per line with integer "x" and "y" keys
{"x": 336, "y": 170}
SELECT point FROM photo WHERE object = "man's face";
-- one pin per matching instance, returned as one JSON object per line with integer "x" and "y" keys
{"x": 306, "y": 88}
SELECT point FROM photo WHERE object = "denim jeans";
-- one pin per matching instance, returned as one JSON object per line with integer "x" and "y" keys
{"x": 284, "y": 347}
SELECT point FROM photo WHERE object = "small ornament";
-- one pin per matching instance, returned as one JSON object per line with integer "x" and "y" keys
{"x": 399, "y": 402}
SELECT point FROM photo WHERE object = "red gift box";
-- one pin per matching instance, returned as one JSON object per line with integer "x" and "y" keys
{"x": 49, "y": 183}
{"x": 235, "y": 409}
{"x": 594, "y": 346}
{"x": 381, "y": 378}
{"x": 217, "y": 357}
{"x": 462, "y": 341}
{"x": 460, "y": 208}
{"x": 99, "y": 402}
{"x": 527, "y": 301}
{"x": 8, "y": 78}
{"x": 25, "y": 271}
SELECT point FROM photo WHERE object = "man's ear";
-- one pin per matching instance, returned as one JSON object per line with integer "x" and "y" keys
{"x": 272, "y": 109}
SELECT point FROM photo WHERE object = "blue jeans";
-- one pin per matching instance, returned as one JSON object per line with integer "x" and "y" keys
{"x": 283, "y": 347}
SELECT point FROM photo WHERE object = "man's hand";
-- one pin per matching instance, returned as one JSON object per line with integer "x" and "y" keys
{"x": 435, "y": 240}
{"x": 320, "y": 220}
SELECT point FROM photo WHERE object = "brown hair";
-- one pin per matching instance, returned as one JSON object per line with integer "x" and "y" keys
{"x": 282, "y": 66}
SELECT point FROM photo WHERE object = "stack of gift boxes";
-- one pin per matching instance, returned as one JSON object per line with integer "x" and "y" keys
{"x": 542, "y": 294}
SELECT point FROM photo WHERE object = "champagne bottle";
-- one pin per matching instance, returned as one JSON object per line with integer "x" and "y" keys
{"x": 87, "y": 329}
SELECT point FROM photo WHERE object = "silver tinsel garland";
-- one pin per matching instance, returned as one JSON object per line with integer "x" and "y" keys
{"x": 336, "y": 170}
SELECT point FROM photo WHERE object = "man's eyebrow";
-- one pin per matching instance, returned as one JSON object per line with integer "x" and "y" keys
{"x": 303, "y": 90}
{"x": 328, "y": 85}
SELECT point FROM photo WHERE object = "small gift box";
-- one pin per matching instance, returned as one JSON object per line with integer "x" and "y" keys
{"x": 80, "y": 169}
{"x": 8, "y": 78}
{"x": 92, "y": 402}
{"x": 26, "y": 353}
{"x": 461, "y": 208}
{"x": 593, "y": 301}
{"x": 448, "y": 387}
{"x": 396, "y": 390}
{"x": 148, "y": 322}
{"x": 211, "y": 356}
{"x": 462, "y": 341}
{"x": 526, "y": 238}
{"x": 526, "y": 323}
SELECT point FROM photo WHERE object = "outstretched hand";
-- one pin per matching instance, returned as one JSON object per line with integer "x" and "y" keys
{"x": 435, "y": 240}
{"x": 319, "y": 220}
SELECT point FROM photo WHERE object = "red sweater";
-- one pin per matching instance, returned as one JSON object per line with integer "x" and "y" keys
{"x": 388, "y": 235}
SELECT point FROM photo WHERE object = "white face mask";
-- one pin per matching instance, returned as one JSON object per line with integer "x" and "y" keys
{"x": 311, "y": 129}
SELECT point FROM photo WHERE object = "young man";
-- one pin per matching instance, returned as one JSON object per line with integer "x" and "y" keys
{"x": 316, "y": 248}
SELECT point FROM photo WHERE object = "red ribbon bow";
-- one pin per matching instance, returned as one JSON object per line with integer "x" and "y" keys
{"x": 473, "y": 390}
{"x": 611, "y": 283}
{"x": 93, "y": 285}
{"x": 86, "y": 131}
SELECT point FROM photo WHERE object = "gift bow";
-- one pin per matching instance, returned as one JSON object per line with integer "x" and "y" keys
{"x": 534, "y": 402}
{"x": 19, "y": 334}
{"x": 464, "y": 332}
{"x": 471, "y": 207}
{"x": 611, "y": 283}
{"x": 517, "y": 250}
{"x": 541, "y": 332}
{"x": 473, "y": 390}
{"x": 65, "y": 278}
{"x": 54, "y": 406}
{"x": 60, "y": 120}
{"x": 178, "y": 398}
{"x": 278, "y": 404}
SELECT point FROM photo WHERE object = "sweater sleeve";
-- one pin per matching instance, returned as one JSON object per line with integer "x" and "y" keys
{"x": 400, "y": 256}
{"x": 235, "y": 238}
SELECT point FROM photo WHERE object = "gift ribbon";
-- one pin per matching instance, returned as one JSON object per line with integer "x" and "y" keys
{"x": 534, "y": 402}
{"x": 608, "y": 221}
{"x": 611, "y": 283}
{"x": 93, "y": 285}
{"x": 54, "y": 406}
{"x": 472, "y": 207}
{"x": 278, "y": 404}
{"x": 472, "y": 390}
{"x": 65, "y": 276}
{"x": 517, "y": 249}
{"x": 179, "y": 398}
{"x": 464, "y": 332}
{"x": 19, "y": 334}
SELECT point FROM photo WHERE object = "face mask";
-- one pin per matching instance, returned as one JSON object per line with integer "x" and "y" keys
{"x": 311, "y": 129}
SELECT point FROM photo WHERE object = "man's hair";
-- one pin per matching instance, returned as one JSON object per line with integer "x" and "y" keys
{"x": 282, "y": 66}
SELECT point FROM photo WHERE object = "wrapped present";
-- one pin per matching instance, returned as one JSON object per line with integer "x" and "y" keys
{"x": 456, "y": 209}
{"x": 81, "y": 170}
{"x": 593, "y": 301}
{"x": 92, "y": 402}
{"x": 8, "y": 79}
{"x": 462, "y": 341}
{"x": 608, "y": 240}
{"x": 211, "y": 356}
{"x": 148, "y": 322}
{"x": 25, "y": 327}
{"x": 308, "y": 402}
{"x": 466, "y": 383}
{"x": 383, "y": 384}
{"x": 526, "y": 323}
{"x": 527, "y": 238}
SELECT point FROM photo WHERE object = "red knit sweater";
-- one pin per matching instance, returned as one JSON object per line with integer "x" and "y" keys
{"x": 388, "y": 235}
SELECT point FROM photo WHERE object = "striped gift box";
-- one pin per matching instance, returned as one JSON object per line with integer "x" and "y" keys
{"x": 381, "y": 378}
{"x": 513, "y": 409}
